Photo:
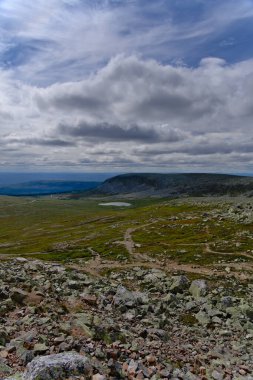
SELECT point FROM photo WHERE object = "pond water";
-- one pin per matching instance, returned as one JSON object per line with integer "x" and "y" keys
{"x": 117, "y": 204}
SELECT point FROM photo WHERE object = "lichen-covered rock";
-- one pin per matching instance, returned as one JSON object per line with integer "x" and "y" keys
{"x": 59, "y": 366}
{"x": 198, "y": 288}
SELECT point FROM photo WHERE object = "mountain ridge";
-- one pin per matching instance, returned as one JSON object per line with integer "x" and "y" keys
{"x": 185, "y": 184}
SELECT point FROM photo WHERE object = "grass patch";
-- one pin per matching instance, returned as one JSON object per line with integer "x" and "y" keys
{"x": 188, "y": 319}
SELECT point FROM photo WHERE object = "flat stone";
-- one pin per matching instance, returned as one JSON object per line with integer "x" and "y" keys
{"x": 217, "y": 375}
{"x": 40, "y": 348}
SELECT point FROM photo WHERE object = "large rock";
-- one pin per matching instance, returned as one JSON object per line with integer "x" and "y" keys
{"x": 59, "y": 366}
{"x": 154, "y": 276}
{"x": 227, "y": 301}
{"x": 202, "y": 318}
{"x": 4, "y": 368}
{"x": 3, "y": 337}
{"x": 81, "y": 325}
{"x": 198, "y": 288}
{"x": 128, "y": 298}
{"x": 4, "y": 294}
{"x": 179, "y": 284}
{"x": 17, "y": 376}
{"x": 18, "y": 295}
{"x": 40, "y": 348}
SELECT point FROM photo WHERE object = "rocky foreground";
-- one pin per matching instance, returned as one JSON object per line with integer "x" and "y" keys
{"x": 59, "y": 323}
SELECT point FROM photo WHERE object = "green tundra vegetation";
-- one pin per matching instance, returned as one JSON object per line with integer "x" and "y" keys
{"x": 188, "y": 231}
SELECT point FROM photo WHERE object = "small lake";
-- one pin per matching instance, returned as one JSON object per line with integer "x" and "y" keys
{"x": 117, "y": 204}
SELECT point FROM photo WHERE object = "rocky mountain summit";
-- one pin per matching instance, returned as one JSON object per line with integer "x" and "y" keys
{"x": 58, "y": 322}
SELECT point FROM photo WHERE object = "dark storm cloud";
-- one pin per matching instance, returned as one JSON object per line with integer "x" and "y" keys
{"x": 79, "y": 102}
{"x": 53, "y": 142}
{"x": 50, "y": 142}
{"x": 197, "y": 149}
{"x": 111, "y": 132}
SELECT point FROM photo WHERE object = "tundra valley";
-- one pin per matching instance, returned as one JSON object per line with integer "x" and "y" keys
{"x": 102, "y": 286}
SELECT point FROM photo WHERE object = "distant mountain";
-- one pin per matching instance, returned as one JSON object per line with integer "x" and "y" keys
{"x": 13, "y": 178}
{"x": 47, "y": 187}
{"x": 195, "y": 184}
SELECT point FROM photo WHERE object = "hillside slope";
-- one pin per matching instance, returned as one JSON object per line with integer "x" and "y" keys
{"x": 149, "y": 184}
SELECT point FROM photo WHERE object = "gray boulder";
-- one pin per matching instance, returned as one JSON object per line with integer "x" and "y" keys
{"x": 59, "y": 366}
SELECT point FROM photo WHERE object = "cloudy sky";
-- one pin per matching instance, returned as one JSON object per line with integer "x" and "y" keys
{"x": 126, "y": 85}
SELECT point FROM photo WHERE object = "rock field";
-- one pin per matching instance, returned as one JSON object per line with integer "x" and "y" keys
{"x": 60, "y": 323}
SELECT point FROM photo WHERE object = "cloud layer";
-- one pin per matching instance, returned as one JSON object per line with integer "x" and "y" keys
{"x": 134, "y": 114}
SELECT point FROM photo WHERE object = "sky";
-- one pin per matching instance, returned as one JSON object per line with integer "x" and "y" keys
{"x": 126, "y": 85}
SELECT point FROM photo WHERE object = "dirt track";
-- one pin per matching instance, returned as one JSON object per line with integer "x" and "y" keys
{"x": 98, "y": 265}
